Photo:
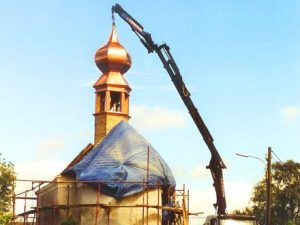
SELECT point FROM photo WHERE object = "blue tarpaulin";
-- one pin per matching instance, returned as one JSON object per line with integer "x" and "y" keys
{"x": 122, "y": 157}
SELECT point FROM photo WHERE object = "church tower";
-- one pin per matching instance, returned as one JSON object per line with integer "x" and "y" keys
{"x": 112, "y": 90}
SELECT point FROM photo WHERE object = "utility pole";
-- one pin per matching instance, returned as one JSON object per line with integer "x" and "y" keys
{"x": 268, "y": 185}
{"x": 268, "y": 176}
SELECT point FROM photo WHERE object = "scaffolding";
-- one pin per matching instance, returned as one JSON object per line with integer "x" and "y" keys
{"x": 35, "y": 205}
{"x": 176, "y": 207}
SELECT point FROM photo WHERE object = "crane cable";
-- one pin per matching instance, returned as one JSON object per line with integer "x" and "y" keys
{"x": 113, "y": 17}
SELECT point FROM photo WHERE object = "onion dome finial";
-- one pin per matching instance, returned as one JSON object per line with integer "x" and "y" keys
{"x": 113, "y": 56}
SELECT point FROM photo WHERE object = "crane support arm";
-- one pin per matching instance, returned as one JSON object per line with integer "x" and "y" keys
{"x": 216, "y": 163}
{"x": 137, "y": 28}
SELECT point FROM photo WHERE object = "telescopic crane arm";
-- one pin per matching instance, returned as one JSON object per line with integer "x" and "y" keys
{"x": 216, "y": 163}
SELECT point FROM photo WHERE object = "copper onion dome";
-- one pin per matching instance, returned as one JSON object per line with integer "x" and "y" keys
{"x": 113, "y": 56}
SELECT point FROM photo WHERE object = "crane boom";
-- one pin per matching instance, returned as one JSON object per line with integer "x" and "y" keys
{"x": 216, "y": 163}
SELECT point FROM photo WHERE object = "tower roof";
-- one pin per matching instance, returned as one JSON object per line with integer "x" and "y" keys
{"x": 121, "y": 160}
{"x": 113, "y": 56}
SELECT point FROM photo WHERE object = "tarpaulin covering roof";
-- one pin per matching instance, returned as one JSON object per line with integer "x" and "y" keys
{"x": 122, "y": 157}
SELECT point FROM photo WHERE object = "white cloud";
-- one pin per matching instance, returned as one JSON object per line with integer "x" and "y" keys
{"x": 88, "y": 82}
{"x": 238, "y": 194}
{"x": 156, "y": 117}
{"x": 164, "y": 87}
{"x": 200, "y": 171}
{"x": 39, "y": 170}
{"x": 43, "y": 170}
{"x": 179, "y": 171}
{"x": 202, "y": 201}
{"x": 196, "y": 172}
{"x": 290, "y": 114}
{"x": 237, "y": 197}
{"x": 49, "y": 147}
{"x": 85, "y": 134}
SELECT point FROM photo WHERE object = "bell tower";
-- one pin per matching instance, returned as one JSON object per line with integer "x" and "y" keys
{"x": 112, "y": 90}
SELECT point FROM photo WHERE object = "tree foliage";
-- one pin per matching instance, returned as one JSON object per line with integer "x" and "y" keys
{"x": 285, "y": 197}
{"x": 5, "y": 217}
{"x": 7, "y": 180}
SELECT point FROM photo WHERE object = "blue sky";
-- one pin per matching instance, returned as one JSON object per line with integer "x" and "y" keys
{"x": 240, "y": 60}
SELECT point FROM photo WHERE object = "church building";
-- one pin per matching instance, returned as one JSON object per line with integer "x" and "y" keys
{"x": 120, "y": 179}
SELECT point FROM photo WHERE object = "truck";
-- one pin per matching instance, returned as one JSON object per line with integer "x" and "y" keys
{"x": 230, "y": 219}
{"x": 216, "y": 164}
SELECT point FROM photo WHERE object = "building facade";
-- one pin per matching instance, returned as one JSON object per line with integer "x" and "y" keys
{"x": 120, "y": 179}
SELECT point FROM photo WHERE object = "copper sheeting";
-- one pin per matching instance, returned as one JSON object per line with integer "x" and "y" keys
{"x": 113, "y": 56}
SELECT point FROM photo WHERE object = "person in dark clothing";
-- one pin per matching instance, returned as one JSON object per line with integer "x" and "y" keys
{"x": 168, "y": 217}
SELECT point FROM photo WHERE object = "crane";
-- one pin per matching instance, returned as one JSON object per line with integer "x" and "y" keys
{"x": 216, "y": 164}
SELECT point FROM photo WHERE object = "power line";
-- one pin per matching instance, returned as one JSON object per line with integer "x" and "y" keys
{"x": 277, "y": 157}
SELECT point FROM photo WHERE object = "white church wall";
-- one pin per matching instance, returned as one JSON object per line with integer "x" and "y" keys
{"x": 126, "y": 211}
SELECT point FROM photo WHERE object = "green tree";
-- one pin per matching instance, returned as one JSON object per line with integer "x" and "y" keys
{"x": 5, "y": 218}
{"x": 7, "y": 181}
{"x": 285, "y": 199}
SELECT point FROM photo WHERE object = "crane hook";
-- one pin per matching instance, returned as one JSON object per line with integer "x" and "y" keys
{"x": 113, "y": 16}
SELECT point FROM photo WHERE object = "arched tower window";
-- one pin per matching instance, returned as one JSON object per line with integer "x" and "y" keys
{"x": 115, "y": 101}
{"x": 102, "y": 101}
